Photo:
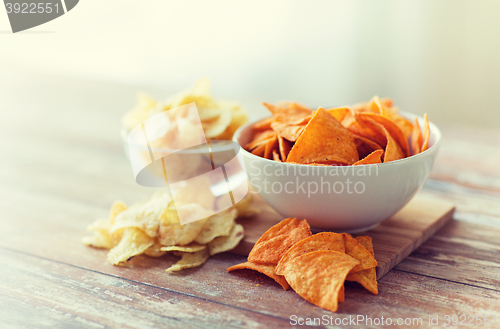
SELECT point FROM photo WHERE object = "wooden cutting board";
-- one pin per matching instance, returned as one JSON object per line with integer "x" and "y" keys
{"x": 393, "y": 240}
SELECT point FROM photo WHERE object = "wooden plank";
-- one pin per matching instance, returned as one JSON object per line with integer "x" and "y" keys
{"x": 35, "y": 292}
{"x": 62, "y": 296}
{"x": 393, "y": 240}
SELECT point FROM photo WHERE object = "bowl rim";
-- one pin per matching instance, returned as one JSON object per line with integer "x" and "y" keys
{"x": 407, "y": 115}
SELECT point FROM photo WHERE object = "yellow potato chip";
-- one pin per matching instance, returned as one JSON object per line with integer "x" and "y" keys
{"x": 320, "y": 241}
{"x": 101, "y": 237}
{"x": 225, "y": 243}
{"x": 171, "y": 231}
{"x": 189, "y": 260}
{"x": 217, "y": 225}
{"x": 318, "y": 276}
{"x": 245, "y": 208}
{"x": 116, "y": 208}
{"x": 192, "y": 247}
{"x": 133, "y": 242}
{"x": 356, "y": 250}
{"x": 275, "y": 242}
{"x": 266, "y": 269}
{"x": 146, "y": 216}
{"x": 155, "y": 250}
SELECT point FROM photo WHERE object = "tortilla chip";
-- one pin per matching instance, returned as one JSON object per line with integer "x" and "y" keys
{"x": 372, "y": 158}
{"x": 367, "y": 278}
{"x": 338, "y": 113}
{"x": 356, "y": 250}
{"x": 276, "y": 156}
{"x": 342, "y": 294}
{"x": 320, "y": 241}
{"x": 270, "y": 146}
{"x": 266, "y": 269}
{"x": 323, "y": 138}
{"x": 365, "y": 146}
{"x": 263, "y": 124}
{"x": 287, "y": 131}
{"x": 392, "y": 128}
{"x": 276, "y": 241}
{"x": 288, "y": 111}
{"x": 427, "y": 133}
{"x": 285, "y": 146}
{"x": 392, "y": 149}
{"x": 416, "y": 139}
{"x": 318, "y": 276}
{"x": 259, "y": 150}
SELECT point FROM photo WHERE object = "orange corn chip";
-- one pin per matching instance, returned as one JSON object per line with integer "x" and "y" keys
{"x": 288, "y": 111}
{"x": 289, "y": 132}
{"x": 392, "y": 149}
{"x": 391, "y": 127}
{"x": 276, "y": 156}
{"x": 356, "y": 250}
{"x": 259, "y": 150}
{"x": 342, "y": 294}
{"x": 265, "y": 134}
{"x": 266, "y": 269}
{"x": 374, "y": 157}
{"x": 256, "y": 143}
{"x": 319, "y": 276}
{"x": 427, "y": 133}
{"x": 365, "y": 146}
{"x": 270, "y": 145}
{"x": 338, "y": 113}
{"x": 324, "y": 137}
{"x": 273, "y": 244}
{"x": 263, "y": 124}
{"x": 285, "y": 147}
{"x": 359, "y": 128}
{"x": 320, "y": 241}
{"x": 367, "y": 278}
{"x": 416, "y": 139}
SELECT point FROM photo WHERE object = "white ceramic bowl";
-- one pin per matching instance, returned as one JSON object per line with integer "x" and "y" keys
{"x": 342, "y": 198}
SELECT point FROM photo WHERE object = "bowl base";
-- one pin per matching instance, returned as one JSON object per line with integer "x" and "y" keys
{"x": 353, "y": 231}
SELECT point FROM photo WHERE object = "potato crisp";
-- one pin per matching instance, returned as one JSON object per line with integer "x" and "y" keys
{"x": 315, "y": 266}
{"x": 338, "y": 136}
{"x": 153, "y": 228}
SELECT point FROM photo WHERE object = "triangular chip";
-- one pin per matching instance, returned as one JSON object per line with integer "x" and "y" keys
{"x": 285, "y": 147}
{"x": 367, "y": 278}
{"x": 288, "y": 111}
{"x": 392, "y": 149}
{"x": 320, "y": 241}
{"x": 356, "y": 250}
{"x": 276, "y": 241}
{"x": 266, "y": 269}
{"x": 427, "y": 133}
{"x": 270, "y": 146}
{"x": 416, "y": 139}
{"x": 391, "y": 127}
{"x": 372, "y": 158}
{"x": 323, "y": 138}
{"x": 319, "y": 276}
{"x": 338, "y": 113}
{"x": 287, "y": 131}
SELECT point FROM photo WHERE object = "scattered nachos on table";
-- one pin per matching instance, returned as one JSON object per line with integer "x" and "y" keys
{"x": 153, "y": 228}
{"x": 366, "y": 133}
{"x": 220, "y": 119}
{"x": 315, "y": 266}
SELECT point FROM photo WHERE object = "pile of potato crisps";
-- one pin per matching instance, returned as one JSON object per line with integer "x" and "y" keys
{"x": 220, "y": 119}
{"x": 153, "y": 228}
{"x": 315, "y": 266}
{"x": 366, "y": 133}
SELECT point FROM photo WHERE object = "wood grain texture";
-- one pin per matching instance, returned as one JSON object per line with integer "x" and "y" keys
{"x": 393, "y": 240}
{"x": 62, "y": 166}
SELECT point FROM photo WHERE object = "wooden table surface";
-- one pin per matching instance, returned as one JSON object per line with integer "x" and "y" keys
{"x": 62, "y": 166}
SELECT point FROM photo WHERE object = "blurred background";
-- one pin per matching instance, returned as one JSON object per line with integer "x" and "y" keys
{"x": 439, "y": 57}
